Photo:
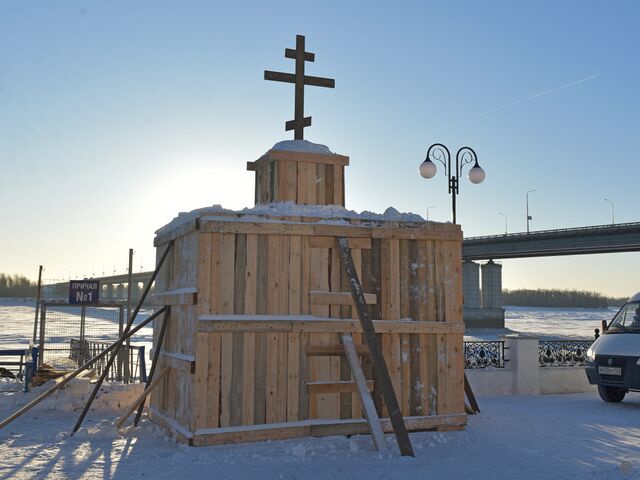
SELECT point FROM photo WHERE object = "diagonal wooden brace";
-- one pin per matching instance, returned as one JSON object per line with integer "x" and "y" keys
{"x": 377, "y": 359}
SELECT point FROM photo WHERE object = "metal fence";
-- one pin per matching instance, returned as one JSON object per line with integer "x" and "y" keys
{"x": 484, "y": 354}
{"x": 563, "y": 353}
{"x": 82, "y": 353}
{"x": 70, "y": 335}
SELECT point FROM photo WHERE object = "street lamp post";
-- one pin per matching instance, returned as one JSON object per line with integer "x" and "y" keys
{"x": 529, "y": 217}
{"x": 429, "y": 208}
{"x": 613, "y": 217}
{"x": 506, "y": 230}
{"x": 464, "y": 156}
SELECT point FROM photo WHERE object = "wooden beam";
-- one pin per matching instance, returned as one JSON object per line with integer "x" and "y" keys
{"x": 338, "y": 298}
{"x": 279, "y": 76}
{"x": 291, "y": 53}
{"x": 344, "y": 386}
{"x": 381, "y": 373}
{"x": 304, "y": 428}
{"x": 333, "y": 350}
{"x": 118, "y": 424}
{"x": 365, "y": 394}
{"x": 182, "y": 296}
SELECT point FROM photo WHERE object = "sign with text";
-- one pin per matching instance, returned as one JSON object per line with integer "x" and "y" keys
{"x": 84, "y": 292}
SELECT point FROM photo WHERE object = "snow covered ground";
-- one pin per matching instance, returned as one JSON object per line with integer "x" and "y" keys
{"x": 557, "y": 436}
{"x": 547, "y": 436}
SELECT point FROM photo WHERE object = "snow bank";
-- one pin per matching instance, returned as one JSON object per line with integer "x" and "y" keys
{"x": 112, "y": 397}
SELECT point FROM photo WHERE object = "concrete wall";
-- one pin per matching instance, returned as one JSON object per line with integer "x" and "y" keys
{"x": 522, "y": 374}
{"x": 471, "y": 284}
{"x": 483, "y": 317}
{"x": 491, "y": 285}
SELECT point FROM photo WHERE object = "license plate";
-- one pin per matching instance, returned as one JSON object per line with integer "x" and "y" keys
{"x": 610, "y": 370}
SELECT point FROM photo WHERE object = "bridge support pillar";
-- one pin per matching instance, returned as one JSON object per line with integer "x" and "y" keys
{"x": 491, "y": 285}
{"x": 120, "y": 291}
{"x": 471, "y": 284}
{"x": 110, "y": 291}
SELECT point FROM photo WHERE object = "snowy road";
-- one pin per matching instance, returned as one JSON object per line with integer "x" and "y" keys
{"x": 550, "y": 436}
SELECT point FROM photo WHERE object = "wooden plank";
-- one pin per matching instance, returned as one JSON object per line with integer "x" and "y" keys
{"x": 329, "y": 242}
{"x": 317, "y": 428}
{"x": 365, "y": 394}
{"x": 200, "y": 400}
{"x": 250, "y": 308}
{"x": 248, "y": 378}
{"x": 294, "y": 308}
{"x": 177, "y": 431}
{"x": 178, "y": 361}
{"x": 380, "y": 368}
{"x": 338, "y": 185}
{"x": 314, "y": 388}
{"x": 302, "y": 193}
{"x": 303, "y": 157}
{"x": 320, "y": 184}
{"x": 286, "y": 226}
{"x": 283, "y": 381}
{"x": 183, "y": 296}
{"x": 312, "y": 324}
{"x": 442, "y": 374}
{"x": 236, "y": 399}
{"x": 213, "y": 381}
{"x": 214, "y": 276}
{"x": 271, "y": 378}
{"x": 227, "y": 304}
{"x": 328, "y": 185}
{"x": 123, "y": 418}
{"x": 337, "y": 298}
{"x": 328, "y": 350}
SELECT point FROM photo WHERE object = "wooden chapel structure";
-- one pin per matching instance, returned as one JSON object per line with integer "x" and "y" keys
{"x": 260, "y": 303}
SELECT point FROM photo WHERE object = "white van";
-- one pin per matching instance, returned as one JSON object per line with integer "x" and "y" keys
{"x": 613, "y": 360}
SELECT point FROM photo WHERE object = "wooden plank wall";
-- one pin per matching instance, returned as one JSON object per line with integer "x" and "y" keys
{"x": 180, "y": 271}
{"x": 260, "y": 377}
{"x": 304, "y": 183}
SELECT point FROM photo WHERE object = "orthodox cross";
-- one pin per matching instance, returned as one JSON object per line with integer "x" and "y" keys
{"x": 300, "y": 80}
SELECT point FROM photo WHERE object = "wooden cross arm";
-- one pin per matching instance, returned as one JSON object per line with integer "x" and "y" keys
{"x": 319, "y": 81}
{"x": 279, "y": 76}
{"x": 291, "y": 53}
{"x": 291, "y": 78}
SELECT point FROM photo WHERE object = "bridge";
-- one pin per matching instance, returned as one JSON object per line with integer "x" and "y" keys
{"x": 113, "y": 287}
{"x": 483, "y": 306}
{"x": 621, "y": 237}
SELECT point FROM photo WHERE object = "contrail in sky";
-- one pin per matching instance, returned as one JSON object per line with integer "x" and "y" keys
{"x": 522, "y": 100}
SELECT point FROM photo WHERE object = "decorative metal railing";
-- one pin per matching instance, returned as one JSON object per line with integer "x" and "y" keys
{"x": 484, "y": 354}
{"x": 83, "y": 351}
{"x": 563, "y": 353}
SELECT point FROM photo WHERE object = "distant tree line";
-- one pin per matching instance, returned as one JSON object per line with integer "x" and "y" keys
{"x": 16, "y": 286}
{"x": 558, "y": 298}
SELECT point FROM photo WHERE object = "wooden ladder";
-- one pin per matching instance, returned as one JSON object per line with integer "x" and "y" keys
{"x": 359, "y": 384}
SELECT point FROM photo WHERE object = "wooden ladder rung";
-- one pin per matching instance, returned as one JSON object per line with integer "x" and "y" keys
{"x": 333, "y": 350}
{"x": 335, "y": 387}
{"x": 317, "y": 297}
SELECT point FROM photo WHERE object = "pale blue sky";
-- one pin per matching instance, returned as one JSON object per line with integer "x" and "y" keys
{"x": 116, "y": 115}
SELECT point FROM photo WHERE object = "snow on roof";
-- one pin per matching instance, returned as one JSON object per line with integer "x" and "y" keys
{"x": 265, "y": 213}
{"x": 302, "y": 146}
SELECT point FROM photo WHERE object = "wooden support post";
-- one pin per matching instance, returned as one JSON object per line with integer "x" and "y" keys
{"x": 125, "y": 360}
{"x": 365, "y": 395}
{"x": 122, "y": 339}
{"x": 379, "y": 366}
{"x": 156, "y": 355}
{"x": 141, "y": 398}
{"x": 62, "y": 381}
{"x": 472, "y": 398}
{"x": 38, "y": 296}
